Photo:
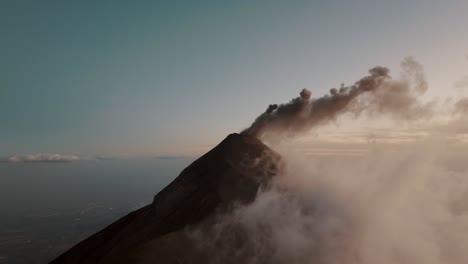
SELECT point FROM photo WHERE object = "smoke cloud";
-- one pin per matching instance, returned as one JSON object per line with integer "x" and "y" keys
{"x": 374, "y": 93}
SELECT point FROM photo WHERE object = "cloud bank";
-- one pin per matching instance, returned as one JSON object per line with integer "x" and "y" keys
{"x": 387, "y": 206}
{"x": 42, "y": 157}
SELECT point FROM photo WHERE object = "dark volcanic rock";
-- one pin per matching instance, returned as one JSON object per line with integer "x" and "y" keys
{"x": 229, "y": 174}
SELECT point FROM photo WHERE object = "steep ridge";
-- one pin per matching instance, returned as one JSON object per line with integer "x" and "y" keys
{"x": 228, "y": 175}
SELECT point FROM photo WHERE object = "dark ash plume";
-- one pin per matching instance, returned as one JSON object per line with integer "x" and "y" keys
{"x": 380, "y": 94}
{"x": 302, "y": 113}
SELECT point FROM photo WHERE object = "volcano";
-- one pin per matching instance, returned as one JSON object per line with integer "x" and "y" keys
{"x": 227, "y": 176}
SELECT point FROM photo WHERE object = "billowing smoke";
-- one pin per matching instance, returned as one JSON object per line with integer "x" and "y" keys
{"x": 374, "y": 93}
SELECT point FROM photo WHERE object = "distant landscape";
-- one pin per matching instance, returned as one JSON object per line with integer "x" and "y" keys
{"x": 47, "y": 208}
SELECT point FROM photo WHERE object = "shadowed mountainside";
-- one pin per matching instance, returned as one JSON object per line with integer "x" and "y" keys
{"x": 229, "y": 174}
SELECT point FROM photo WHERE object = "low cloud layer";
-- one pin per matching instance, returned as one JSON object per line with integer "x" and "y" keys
{"x": 43, "y": 157}
{"x": 405, "y": 207}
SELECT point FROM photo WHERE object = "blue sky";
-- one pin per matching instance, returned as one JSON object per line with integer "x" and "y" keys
{"x": 154, "y": 77}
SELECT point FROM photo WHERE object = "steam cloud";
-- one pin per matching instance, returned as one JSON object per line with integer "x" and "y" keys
{"x": 374, "y": 93}
{"x": 389, "y": 208}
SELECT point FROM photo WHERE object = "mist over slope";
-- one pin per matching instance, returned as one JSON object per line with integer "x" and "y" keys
{"x": 382, "y": 207}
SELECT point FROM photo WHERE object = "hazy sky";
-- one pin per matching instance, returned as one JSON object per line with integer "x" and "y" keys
{"x": 154, "y": 77}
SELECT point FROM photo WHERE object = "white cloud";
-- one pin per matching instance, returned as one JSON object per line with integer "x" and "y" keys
{"x": 43, "y": 157}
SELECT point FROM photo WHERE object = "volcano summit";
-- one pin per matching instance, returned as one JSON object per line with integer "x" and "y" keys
{"x": 227, "y": 176}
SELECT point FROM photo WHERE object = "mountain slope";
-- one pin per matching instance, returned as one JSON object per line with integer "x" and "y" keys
{"x": 229, "y": 174}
